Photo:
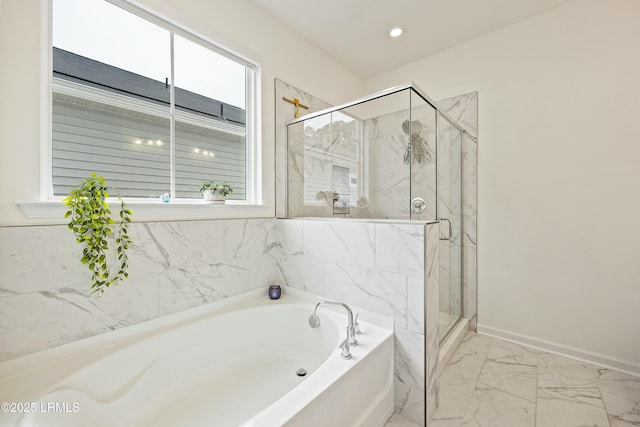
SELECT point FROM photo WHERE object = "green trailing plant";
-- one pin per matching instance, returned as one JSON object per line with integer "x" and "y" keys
{"x": 221, "y": 187}
{"x": 91, "y": 223}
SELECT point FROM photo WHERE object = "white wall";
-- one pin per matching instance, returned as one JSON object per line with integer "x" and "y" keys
{"x": 559, "y": 171}
{"x": 237, "y": 24}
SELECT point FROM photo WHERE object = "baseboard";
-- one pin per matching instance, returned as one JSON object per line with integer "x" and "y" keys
{"x": 563, "y": 350}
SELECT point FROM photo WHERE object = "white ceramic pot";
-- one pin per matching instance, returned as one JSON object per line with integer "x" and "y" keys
{"x": 211, "y": 196}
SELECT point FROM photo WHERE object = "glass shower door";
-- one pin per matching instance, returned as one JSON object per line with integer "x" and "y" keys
{"x": 450, "y": 215}
{"x": 419, "y": 132}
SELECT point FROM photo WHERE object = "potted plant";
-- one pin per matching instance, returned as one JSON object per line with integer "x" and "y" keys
{"x": 91, "y": 223}
{"x": 215, "y": 191}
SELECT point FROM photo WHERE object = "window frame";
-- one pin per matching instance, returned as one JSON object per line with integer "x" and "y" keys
{"x": 180, "y": 205}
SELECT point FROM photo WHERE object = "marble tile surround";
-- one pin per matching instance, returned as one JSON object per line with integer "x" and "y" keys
{"x": 178, "y": 265}
{"x": 380, "y": 267}
{"x": 173, "y": 266}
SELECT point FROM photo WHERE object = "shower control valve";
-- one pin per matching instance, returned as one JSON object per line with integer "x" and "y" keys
{"x": 418, "y": 205}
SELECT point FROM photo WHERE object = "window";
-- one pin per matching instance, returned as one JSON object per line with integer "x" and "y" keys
{"x": 151, "y": 107}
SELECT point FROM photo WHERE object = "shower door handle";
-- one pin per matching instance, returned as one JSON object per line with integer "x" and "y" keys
{"x": 450, "y": 236}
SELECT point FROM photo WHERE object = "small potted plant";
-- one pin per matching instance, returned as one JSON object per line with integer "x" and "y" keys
{"x": 215, "y": 191}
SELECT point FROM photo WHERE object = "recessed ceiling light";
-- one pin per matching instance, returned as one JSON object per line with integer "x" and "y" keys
{"x": 395, "y": 32}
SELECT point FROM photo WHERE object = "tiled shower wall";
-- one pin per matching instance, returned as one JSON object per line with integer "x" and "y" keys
{"x": 393, "y": 180}
{"x": 174, "y": 266}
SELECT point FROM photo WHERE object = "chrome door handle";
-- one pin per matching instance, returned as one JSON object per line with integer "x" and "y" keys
{"x": 450, "y": 237}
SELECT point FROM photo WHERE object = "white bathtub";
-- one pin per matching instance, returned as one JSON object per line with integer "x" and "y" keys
{"x": 230, "y": 363}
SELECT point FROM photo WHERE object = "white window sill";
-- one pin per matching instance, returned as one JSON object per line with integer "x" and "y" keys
{"x": 52, "y": 211}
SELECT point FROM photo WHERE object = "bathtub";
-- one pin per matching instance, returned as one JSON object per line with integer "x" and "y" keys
{"x": 229, "y": 363}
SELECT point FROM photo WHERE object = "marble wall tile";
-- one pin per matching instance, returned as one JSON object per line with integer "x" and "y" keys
{"x": 173, "y": 266}
{"x": 469, "y": 283}
{"x": 285, "y": 112}
{"x": 31, "y": 259}
{"x": 291, "y": 236}
{"x": 409, "y": 375}
{"x": 400, "y": 248}
{"x": 394, "y": 181}
{"x": 303, "y": 273}
{"x": 391, "y": 283}
{"x": 415, "y": 304}
{"x": 162, "y": 246}
{"x": 181, "y": 289}
{"x": 464, "y": 110}
{"x": 264, "y": 270}
{"x": 243, "y": 239}
{"x": 389, "y": 176}
{"x": 27, "y": 325}
{"x": 131, "y": 302}
{"x": 432, "y": 308}
{"x": 374, "y": 290}
{"x": 348, "y": 243}
{"x": 469, "y": 163}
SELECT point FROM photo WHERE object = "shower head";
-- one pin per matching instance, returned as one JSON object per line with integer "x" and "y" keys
{"x": 414, "y": 126}
{"x": 314, "y": 321}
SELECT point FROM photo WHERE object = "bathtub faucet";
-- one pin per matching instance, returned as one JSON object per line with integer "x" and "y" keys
{"x": 352, "y": 327}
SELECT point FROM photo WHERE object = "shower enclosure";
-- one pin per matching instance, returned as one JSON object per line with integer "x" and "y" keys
{"x": 389, "y": 156}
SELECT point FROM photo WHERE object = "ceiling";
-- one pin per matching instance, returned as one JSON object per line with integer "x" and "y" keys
{"x": 355, "y": 32}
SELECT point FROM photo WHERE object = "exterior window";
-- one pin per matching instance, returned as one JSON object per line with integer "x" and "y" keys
{"x": 144, "y": 103}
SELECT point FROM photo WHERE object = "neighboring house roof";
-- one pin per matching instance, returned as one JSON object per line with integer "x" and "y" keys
{"x": 73, "y": 67}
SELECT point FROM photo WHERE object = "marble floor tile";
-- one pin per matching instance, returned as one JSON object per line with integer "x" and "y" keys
{"x": 452, "y": 406}
{"x": 510, "y": 353}
{"x": 615, "y": 422}
{"x": 398, "y": 420}
{"x": 559, "y": 371}
{"x": 491, "y": 407}
{"x": 451, "y": 422}
{"x": 558, "y": 410}
{"x": 514, "y": 378}
{"x": 473, "y": 342}
{"x": 491, "y": 382}
{"x": 463, "y": 370}
{"x": 621, "y": 397}
{"x": 568, "y": 379}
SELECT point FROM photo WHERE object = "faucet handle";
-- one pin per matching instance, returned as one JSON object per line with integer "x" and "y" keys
{"x": 345, "y": 353}
{"x": 356, "y": 325}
